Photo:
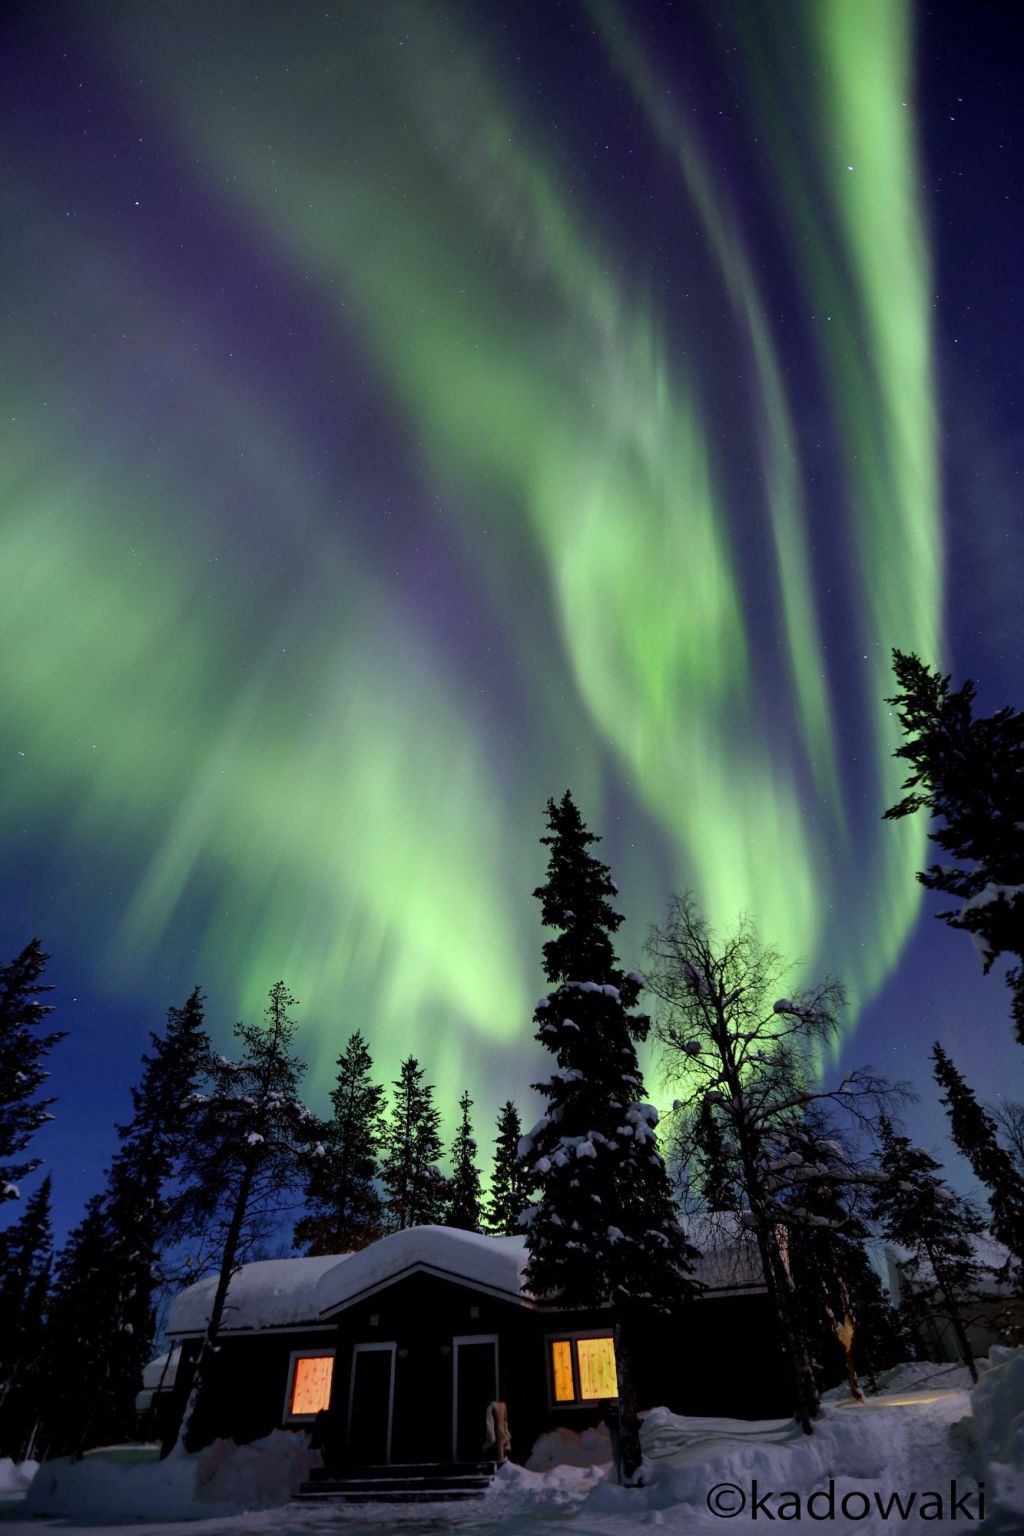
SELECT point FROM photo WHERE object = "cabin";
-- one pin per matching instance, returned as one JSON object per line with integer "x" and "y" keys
{"x": 393, "y": 1354}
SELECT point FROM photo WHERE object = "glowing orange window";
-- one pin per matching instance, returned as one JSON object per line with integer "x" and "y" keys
{"x": 597, "y": 1368}
{"x": 561, "y": 1371}
{"x": 311, "y": 1384}
{"x": 583, "y": 1370}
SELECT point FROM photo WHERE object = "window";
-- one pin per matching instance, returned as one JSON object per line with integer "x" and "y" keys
{"x": 582, "y": 1368}
{"x": 309, "y": 1383}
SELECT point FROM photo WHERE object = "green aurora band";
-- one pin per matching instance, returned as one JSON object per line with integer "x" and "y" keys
{"x": 242, "y": 721}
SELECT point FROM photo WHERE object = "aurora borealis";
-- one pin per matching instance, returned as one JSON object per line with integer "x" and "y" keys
{"x": 413, "y": 409}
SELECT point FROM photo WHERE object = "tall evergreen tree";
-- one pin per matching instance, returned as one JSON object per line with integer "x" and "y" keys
{"x": 78, "y": 1329}
{"x": 23, "y": 1051}
{"x": 917, "y": 1210}
{"x": 510, "y": 1184}
{"x": 131, "y": 1223}
{"x": 974, "y": 1133}
{"x": 246, "y": 1154}
{"x": 343, "y": 1208}
{"x": 603, "y": 1231}
{"x": 839, "y": 1295}
{"x": 26, "y": 1251}
{"x": 968, "y": 772}
{"x": 464, "y": 1186}
{"x": 415, "y": 1190}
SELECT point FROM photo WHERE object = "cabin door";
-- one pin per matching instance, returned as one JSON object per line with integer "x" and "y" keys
{"x": 371, "y": 1402}
{"x": 474, "y": 1385}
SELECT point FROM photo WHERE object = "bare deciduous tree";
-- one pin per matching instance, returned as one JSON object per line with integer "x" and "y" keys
{"x": 750, "y": 1115}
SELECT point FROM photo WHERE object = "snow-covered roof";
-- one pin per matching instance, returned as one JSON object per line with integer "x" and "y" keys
{"x": 158, "y": 1376}
{"x": 991, "y": 1256}
{"x": 268, "y": 1293}
{"x": 729, "y": 1261}
{"x": 281, "y": 1293}
{"x": 493, "y": 1264}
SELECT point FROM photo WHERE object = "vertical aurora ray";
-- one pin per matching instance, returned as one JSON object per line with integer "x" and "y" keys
{"x": 293, "y": 737}
{"x": 847, "y": 91}
{"x": 774, "y": 421}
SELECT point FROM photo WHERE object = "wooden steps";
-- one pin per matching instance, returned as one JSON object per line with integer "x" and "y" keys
{"x": 415, "y": 1482}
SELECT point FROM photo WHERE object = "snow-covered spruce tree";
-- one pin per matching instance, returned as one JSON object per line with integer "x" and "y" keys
{"x": 918, "y": 1211}
{"x": 415, "y": 1190}
{"x": 510, "y": 1185}
{"x": 603, "y": 1230}
{"x": 26, "y": 1252}
{"x": 968, "y": 772}
{"x": 974, "y": 1133}
{"x": 246, "y": 1155}
{"x": 23, "y": 1051}
{"x": 464, "y": 1185}
{"x": 343, "y": 1208}
{"x": 102, "y": 1368}
{"x": 752, "y": 1065}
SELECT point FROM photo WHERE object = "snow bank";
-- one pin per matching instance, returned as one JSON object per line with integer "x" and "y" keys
{"x": 565, "y": 1448}
{"x": 875, "y": 1448}
{"x": 518, "y": 1490}
{"x": 15, "y": 1476}
{"x": 114, "y": 1488}
{"x": 997, "y": 1403}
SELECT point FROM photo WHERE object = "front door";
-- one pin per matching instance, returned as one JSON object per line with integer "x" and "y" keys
{"x": 371, "y": 1404}
{"x": 475, "y": 1385}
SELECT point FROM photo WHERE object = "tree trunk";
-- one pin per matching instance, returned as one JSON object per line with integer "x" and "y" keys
{"x": 629, "y": 1423}
{"x": 955, "y": 1318}
{"x": 189, "y": 1433}
{"x": 960, "y": 1331}
{"x": 808, "y": 1399}
{"x": 844, "y": 1328}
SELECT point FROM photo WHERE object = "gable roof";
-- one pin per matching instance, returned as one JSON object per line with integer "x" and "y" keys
{"x": 309, "y": 1292}
{"x": 492, "y": 1264}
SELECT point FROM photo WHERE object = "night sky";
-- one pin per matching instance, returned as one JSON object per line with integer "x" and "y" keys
{"x": 412, "y": 410}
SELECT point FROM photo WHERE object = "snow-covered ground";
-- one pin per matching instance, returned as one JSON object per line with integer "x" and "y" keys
{"x": 924, "y": 1430}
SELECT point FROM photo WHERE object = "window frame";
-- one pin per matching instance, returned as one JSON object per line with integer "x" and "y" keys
{"x": 293, "y": 1359}
{"x": 570, "y": 1337}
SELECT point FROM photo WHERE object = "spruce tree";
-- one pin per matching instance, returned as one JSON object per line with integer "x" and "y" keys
{"x": 246, "y": 1155}
{"x": 78, "y": 1332}
{"x": 23, "y": 1051}
{"x": 26, "y": 1251}
{"x": 917, "y": 1210}
{"x": 974, "y": 1133}
{"x": 968, "y": 773}
{"x": 603, "y": 1231}
{"x": 133, "y": 1221}
{"x": 510, "y": 1184}
{"x": 343, "y": 1208}
{"x": 415, "y": 1190}
{"x": 464, "y": 1186}
{"x": 840, "y": 1297}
